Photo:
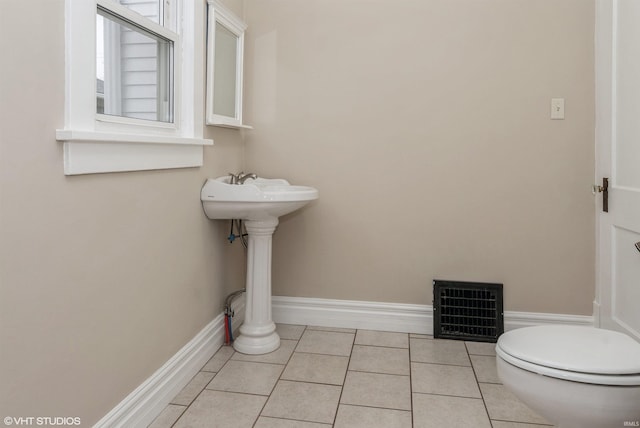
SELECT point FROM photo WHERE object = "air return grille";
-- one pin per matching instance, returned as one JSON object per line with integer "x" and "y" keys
{"x": 467, "y": 311}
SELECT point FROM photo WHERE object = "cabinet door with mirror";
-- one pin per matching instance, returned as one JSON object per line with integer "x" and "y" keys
{"x": 225, "y": 46}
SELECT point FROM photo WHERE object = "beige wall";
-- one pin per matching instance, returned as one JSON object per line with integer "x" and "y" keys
{"x": 104, "y": 277}
{"x": 423, "y": 123}
{"x": 425, "y": 126}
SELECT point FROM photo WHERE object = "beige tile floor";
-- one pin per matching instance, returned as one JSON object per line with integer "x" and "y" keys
{"x": 324, "y": 377}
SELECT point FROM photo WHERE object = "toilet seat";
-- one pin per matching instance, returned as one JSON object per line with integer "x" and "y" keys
{"x": 579, "y": 354}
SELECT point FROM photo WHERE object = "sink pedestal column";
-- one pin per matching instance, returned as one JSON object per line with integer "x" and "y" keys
{"x": 258, "y": 332}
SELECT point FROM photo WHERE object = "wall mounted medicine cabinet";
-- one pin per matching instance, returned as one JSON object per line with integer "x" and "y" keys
{"x": 225, "y": 47}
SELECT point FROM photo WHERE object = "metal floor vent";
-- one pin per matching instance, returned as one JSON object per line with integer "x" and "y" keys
{"x": 467, "y": 311}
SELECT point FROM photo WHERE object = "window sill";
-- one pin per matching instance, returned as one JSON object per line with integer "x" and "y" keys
{"x": 116, "y": 137}
{"x": 227, "y": 125}
{"x": 226, "y": 122}
{"x": 90, "y": 152}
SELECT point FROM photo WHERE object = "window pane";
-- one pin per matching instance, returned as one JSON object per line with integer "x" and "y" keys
{"x": 134, "y": 71}
{"x": 224, "y": 74}
{"x": 150, "y": 9}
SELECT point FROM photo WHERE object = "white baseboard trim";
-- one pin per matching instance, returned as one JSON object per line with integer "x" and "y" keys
{"x": 146, "y": 402}
{"x": 513, "y": 320}
{"x": 399, "y": 317}
{"x": 353, "y": 314}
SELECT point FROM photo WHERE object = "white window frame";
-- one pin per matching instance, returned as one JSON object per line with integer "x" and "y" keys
{"x": 97, "y": 143}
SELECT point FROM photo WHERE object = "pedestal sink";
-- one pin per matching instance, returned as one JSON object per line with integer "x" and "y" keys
{"x": 259, "y": 202}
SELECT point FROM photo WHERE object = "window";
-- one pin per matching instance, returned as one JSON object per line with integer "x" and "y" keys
{"x": 132, "y": 93}
{"x": 134, "y": 70}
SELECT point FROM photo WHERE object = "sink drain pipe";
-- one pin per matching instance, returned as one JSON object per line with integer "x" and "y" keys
{"x": 228, "y": 316}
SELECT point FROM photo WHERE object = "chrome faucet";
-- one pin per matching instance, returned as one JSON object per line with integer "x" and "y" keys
{"x": 241, "y": 177}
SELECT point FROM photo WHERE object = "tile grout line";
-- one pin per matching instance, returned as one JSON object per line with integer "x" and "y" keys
{"x": 307, "y": 381}
{"x": 395, "y": 409}
{"x": 193, "y": 400}
{"x": 410, "y": 380}
{"x": 216, "y": 373}
{"x": 452, "y": 396}
{"x": 478, "y": 385}
{"x": 205, "y": 388}
{"x": 384, "y": 373}
{"x": 350, "y": 356}
{"x": 442, "y": 364}
{"x": 178, "y": 418}
{"x": 344, "y": 380}
{"x": 379, "y": 346}
{"x": 291, "y": 419}
{"x": 198, "y": 394}
{"x": 279, "y": 377}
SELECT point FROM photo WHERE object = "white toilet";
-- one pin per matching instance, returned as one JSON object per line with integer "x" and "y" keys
{"x": 573, "y": 376}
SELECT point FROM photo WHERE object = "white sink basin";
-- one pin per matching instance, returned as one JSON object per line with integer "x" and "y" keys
{"x": 259, "y": 202}
{"x": 257, "y": 199}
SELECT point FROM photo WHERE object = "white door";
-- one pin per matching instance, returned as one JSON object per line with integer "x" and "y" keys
{"x": 617, "y": 303}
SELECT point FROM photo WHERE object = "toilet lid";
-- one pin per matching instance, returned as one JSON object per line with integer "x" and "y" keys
{"x": 573, "y": 348}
